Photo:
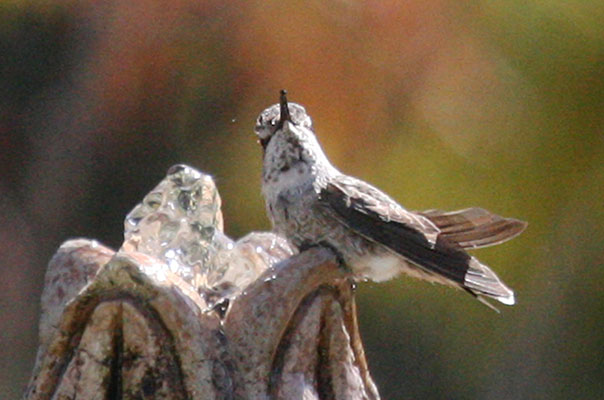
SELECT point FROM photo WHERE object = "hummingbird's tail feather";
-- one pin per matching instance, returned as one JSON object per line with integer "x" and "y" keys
{"x": 483, "y": 301}
{"x": 481, "y": 281}
{"x": 474, "y": 227}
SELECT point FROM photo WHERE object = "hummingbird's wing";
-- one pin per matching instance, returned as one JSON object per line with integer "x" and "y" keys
{"x": 474, "y": 227}
{"x": 377, "y": 217}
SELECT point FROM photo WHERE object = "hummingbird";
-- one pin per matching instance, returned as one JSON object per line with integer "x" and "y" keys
{"x": 311, "y": 203}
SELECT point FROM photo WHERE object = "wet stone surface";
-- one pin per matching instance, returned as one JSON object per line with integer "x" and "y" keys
{"x": 181, "y": 311}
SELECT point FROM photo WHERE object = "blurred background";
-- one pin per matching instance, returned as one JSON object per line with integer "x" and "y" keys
{"x": 442, "y": 104}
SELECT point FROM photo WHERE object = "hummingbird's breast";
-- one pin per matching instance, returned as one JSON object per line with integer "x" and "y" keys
{"x": 294, "y": 172}
{"x": 289, "y": 188}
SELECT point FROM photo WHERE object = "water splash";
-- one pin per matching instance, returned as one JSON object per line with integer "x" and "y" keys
{"x": 180, "y": 223}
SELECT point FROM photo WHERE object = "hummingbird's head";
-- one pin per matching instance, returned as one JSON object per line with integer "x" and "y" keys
{"x": 276, "y": 117}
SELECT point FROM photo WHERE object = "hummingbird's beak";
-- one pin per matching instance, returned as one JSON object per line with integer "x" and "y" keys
{"x": 284, "y": 109}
